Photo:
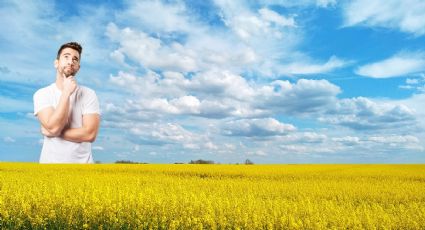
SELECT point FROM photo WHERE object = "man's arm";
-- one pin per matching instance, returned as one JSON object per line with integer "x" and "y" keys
{"x": 87, "y": 133}
{"x": 54, "y": 120}
{"x": 46, "y": 133}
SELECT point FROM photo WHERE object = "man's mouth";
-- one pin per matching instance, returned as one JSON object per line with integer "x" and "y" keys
{"x": 68, "y": 71}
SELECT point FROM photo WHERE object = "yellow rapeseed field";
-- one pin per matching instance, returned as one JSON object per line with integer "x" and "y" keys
{"x": 152, "y": 196}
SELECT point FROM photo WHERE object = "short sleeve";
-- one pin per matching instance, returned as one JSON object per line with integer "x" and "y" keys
{"x": 90, "y": 102}
{"x": 41, "y": 100}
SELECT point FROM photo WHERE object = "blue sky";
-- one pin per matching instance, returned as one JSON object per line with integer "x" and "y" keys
{"x": 274, "y": 81}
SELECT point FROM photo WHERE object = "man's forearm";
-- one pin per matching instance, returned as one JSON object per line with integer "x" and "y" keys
{"x": 47, "y": 133}
{"x": 79, "y": 135}
{"x": 59, "y": 118}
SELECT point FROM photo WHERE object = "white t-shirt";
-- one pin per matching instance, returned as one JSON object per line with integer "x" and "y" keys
{"x": 55, "y": 149}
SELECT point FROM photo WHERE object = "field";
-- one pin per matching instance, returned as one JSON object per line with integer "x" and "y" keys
{"x": 152, "y": 196}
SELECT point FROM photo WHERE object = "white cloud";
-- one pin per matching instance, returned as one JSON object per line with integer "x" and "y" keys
{"x": 157, "y": 16}
{"x": 294, "y": 149}
{"x": 223, "y": 83}
{"x": 152, "y": 52}
{"x": 9, "y": 140}
{"x": 14, "y": 105}
{"x": 407, "y": 16}
{"x": 347, "y": 140}
{"x": 208, "y": 94}
{"x": 97, "y": 147}
{"x": 261, "y": 40}
{"x": 260, "y": 153}
{"x": 300, "y": 3}
{"x": 412, "y": 81}
{"x": 416, "y": 102}
{"x": 273, "y": 17}
{"x": 326, "y": 3}
{"x": 303, "y": 97}
{"x": 364, "y": 114}
{"x": 47, "y": 27}
{"x": 249, "y": 25}
{"x": 187, "y": 104}
{"x": 257, "y": 127}
{"x": 168, "y": 132}
{"x": 308, "y": 68}
{"x": 398, "y": 142}
{"x": 303, "y": 138}
{"x": 398, "y": 65}
{"x": 17, "y": 31}
{"x": 417, "y": 84}
{"x": 394, "y": 139}
{"x": 221, "y": 94}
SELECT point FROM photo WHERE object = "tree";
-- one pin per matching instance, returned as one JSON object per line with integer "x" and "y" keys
{"x": 248, "y": 162}
{"x": 200, "y": 161}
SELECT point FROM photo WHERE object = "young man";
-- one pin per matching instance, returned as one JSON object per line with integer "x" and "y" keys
{"x": 69, "y": 114}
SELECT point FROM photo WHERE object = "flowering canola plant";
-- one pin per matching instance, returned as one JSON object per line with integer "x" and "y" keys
{"x": 186, "y": 196}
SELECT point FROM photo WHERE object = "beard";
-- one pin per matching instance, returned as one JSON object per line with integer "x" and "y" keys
{"x": 69, "y": 71}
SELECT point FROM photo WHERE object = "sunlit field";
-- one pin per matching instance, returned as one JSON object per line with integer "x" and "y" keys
{"x": 150, "y": 196}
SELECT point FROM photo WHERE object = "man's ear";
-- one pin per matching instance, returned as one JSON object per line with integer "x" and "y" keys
{"x": 56, "y": 63}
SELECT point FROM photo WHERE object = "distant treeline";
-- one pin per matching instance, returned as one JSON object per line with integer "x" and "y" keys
{"x": 128, "y": 162}
{"x": 200, "y": 161}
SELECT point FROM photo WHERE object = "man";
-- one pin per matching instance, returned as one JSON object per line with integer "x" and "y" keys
{"x": 69, "y": 114}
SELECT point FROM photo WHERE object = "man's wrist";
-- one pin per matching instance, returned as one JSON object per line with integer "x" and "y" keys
{"x": 66, "y": 93}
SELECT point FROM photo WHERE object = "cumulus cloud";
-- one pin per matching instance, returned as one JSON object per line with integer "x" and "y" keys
{"x": 223, "y": 94}
{"x": 304, "y": 96}
{"x": 152, "y": 52}
{"x": 364, "y": 114}
{"x": 261, "y": 40}
{"x": 406, "y": 16}
{"x": 176, "y": 18}
{"x": 223, "y": 83}
{"x": 394, "y": 139}
{"x": 404, "y": 63}
{"x": 257, "y": 127}
{"x": 169, "y": 134}
{"x": 347, "y": 140}
{"x": 250, "y": 25}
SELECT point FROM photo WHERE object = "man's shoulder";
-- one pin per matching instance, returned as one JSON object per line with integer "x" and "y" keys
{"x": 86, "y": 90}
{"x": 44, "y": 90}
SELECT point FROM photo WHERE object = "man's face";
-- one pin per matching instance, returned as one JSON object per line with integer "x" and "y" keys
{"x": 68, "y": 63}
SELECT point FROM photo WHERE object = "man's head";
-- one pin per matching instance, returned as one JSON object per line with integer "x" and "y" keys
{"x": 68, "y": 59}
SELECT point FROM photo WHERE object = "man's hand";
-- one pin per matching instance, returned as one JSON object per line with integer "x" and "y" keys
{"x": 69, "y": 84}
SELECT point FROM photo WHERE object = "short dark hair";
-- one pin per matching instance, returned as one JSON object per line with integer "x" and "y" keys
{"x": 72, "y": 45}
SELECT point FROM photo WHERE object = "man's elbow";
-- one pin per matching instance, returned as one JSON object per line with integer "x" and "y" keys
{"x": 91, "y": 137}
{"x": 54, "y": 131}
